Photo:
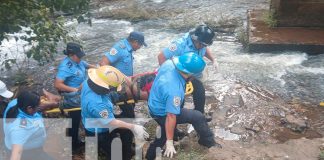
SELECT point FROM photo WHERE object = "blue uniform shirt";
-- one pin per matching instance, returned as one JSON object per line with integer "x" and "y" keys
{"x": 72, "y": 73}
{"x": 26, "y": 130}
{"x": 121, "y": 57}
{"x": 168, "y": 91}
{"x": 97, "y": 107}
{"x": 182, "y": 46}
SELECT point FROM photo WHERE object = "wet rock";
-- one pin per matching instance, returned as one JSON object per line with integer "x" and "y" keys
{"x": 233, "y": 100}
{"x": 225, "y": 134}
{"x": 294, "y": 123}
{"x": 238, "y": 129}
{"x": 219, "y": 116}
{"x": 321, "y": 147}
{"x": 278, "y": 113}
{"x": 254, "y": 128}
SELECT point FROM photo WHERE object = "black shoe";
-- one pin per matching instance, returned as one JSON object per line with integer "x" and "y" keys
{"x": 208, "y": 116}
{"x": 209, "y": 143}
{"x": 217, "y": 145}
{"x": 178, "y": 135}
{"x": 77, "y": 146}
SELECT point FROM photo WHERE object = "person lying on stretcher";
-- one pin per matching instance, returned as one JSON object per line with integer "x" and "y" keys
{"x": 136, "y": 88}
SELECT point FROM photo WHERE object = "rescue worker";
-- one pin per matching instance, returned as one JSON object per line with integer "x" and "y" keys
{"x": 5, "y": 95}
{"x": 24, "y": 128}
{"x": 167, "y": 98}
{"x": 195, "y": 41}
{"x": 121, "y": 57}
{"x": 96, "y": 103}
{"x": 70, "y": 75}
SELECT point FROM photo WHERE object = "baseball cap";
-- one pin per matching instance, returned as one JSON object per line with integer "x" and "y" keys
{"x": 4, "y": 91}
{"x": 138, "y": 36}
{"x": 75, "y": 48}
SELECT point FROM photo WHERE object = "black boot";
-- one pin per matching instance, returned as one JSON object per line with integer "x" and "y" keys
{"x": 178, "y": 134}
{"x": 209, "y": 142}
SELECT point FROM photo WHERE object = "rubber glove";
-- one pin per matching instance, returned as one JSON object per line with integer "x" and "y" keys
{"x": 169, "y": 149}
{"x": 140, "y": 132}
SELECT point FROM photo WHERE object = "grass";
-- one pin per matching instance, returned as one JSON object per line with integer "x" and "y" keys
{"x": 242, "y": 36}
{"x": 192, "y": 155}
{"x": 20, "y": 78}
{"x": 270, "y": 19}
{"x": 321, "y": 156}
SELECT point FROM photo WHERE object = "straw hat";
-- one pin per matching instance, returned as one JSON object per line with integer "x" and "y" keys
{"x": 107, "y": 76}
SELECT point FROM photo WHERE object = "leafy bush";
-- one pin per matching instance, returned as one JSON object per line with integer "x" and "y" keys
{"x": 45, "y": 20}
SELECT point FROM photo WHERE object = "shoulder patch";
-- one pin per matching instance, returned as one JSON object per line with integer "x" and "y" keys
{"x": 173, "y": 47}
{"x": 104, "y": 113}
{"x": 23, "y": 123}
{"x": 176, "y": 101}
{"x": 113, "y": 52}
{"x": 69, "y": 64}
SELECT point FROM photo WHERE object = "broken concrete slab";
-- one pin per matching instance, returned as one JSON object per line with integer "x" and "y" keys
{"x": 262, "y": 38}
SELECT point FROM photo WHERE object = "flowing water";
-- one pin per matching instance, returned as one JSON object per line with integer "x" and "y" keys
{"x": 288, "y": 74}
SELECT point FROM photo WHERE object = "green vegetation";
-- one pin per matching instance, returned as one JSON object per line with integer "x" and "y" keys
{"x": 43, "y": 23}
{"x": 242, "y": 36}
{"x": 193, "y": 154}
{"x": 270, "y": 18}
{"x": 321, "y": 156}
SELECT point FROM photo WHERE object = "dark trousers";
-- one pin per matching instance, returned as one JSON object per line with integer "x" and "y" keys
{"x": 127, "y": 111}
{"x": 196, "y": 118}
{"x": 105, "y": 139}
{"x": 198, "y": 95}
{"x": 74, "y": 131}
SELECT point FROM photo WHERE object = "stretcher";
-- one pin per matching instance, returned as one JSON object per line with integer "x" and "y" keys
{"x": 189, "y": 90}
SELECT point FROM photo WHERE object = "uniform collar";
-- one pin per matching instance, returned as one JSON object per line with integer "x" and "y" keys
{"x": 128, "y": 45}
{"x": 182, "y": 79}
{"x": 69, "y": 59}
{"x": 22, "y": 114}
{"x": 190, "y": 43}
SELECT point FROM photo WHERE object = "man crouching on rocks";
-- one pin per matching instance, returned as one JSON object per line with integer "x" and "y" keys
{"x": 166, "y": 103}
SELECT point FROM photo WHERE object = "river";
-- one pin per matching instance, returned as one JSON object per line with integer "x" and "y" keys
{"x": 289, "y": 75}
{"x": 292, "y": 75}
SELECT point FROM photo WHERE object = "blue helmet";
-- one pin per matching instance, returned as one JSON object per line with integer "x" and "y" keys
{"x": 189, "y": 63}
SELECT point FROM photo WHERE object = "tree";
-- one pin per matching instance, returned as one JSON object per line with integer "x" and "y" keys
{"x": 45, "y": 18}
